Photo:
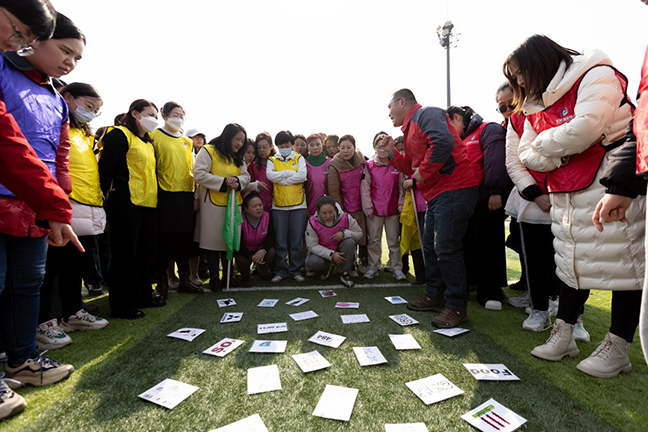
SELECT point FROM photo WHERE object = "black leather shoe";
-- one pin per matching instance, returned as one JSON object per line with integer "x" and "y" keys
{"x": 130, "y": 316}
{"x": 90, "y": 308}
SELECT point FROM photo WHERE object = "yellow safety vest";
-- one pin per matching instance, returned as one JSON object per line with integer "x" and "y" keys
{"x": 174, "y": 162}
{"x": 287, "y": 196}
{"x": 84, "y": 169}
{"x": 140, "y": 160}
{"x": 221, "y": 167}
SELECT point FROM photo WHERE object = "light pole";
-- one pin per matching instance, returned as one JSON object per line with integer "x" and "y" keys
{"x": 447, "y": 39}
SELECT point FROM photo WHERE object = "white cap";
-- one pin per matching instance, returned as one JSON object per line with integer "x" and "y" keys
{"x": 193, "y": 132}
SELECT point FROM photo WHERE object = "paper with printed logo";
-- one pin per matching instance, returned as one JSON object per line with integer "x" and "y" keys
{"x": 336, "y": 403}
{"x": 434, "y": 388}
{"x": 268, "y": 346}
{"x": 491, "y": 416}
{"x": 404, "y": 342}
{"x": 406, "y": 427}
{"x": 452, "y": 332}
{"x": 369, "y": 356}
{"x": 404, "y": 319}
{"x": 490, "y": 372}
{"x": 263, "y": 379}
{"x": 327, "y": 293}
{"x": 347, "y": 305}
{"x": 231, "y": 317}
{"x": 354, "y": 319}
{"x": 224, "y": 347}
{"x": 226, "y": 302}
{"x": 187, "y": 333}
{"x": 169, "y": 393}
{"x": 248, "y": 424}
{"x": 327, "y": 339}
{"x": 311, "y": 361}
{"x": 297, "y": 301}
{"x": 396, "y": 300}
{"x": 268, "y": 303}
{"x": 272, "y": 328}
{"x": 303, "y": 315}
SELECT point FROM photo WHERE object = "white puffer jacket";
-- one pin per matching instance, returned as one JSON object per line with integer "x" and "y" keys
{"x": 585, "y": 258}
{"x": 87, "y": 220}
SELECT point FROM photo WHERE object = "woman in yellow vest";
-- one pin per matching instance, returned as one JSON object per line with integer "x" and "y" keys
{"x": 175, "y": 209}
{"x": 219, "y": 169}
{"x": 287, "y": 171}
{"x": 128, "y": 181}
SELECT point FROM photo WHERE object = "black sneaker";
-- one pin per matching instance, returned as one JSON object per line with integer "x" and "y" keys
{"x": 39, "y": 371}
{"x": 94, "y": 290}
{"x": 346, "y": 280}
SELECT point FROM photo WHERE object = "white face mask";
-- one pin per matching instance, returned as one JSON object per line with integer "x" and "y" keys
{"x": 285, "y": 152}
{"x": 175, "y": 123}
{"x": 83, "y": 114}
{"x": 149, "y": 124}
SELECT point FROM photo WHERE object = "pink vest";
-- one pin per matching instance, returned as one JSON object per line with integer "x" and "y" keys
{"x": 350, "y": 181}
{"x": 324, "y": 233}
{"x": 384, "y": 188}
{"x": 253, "y": 237}
{"x": 316, "y": 183}
{"x": 419, "y": 199}
{"x": 259, "y": 174}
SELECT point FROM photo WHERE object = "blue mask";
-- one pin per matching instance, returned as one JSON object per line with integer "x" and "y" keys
{"x": 285, "y": 152}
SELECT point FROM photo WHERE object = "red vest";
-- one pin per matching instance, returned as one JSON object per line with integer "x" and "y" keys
{"x": 350, "y": 181}
{"x": 258, "y": 173}
{"x": 253, "y": 238}
{"x": 384, "y": 188}
{"x": 316, "y": 183}
{"x": 324, "y": 233}
{"x": 581, "y": 169}
{"x": 641, "y": 120}
{"x": 517, "y": 122}
{"x": 475, "y": 152}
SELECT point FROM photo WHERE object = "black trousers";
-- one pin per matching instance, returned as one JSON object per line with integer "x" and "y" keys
{"x": 243, "y": 264}
{"x": 213, "y": 258}
{"x": 417, "y": 255}
{"x": 173, "y": 246}
{"x": 133, "y": 244}
{"x": 626, "y": 306}
{"x": 541, "y": 279}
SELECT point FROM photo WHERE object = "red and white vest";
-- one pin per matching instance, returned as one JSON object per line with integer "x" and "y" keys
{"x": 517, "y": 122}
{"x": 350, "y": 181}
{"x": 324, "y": 233}
{"x": 384, "y": 188}
{"x": 253, "y": 238}
{"x": 580, "y": 171}
{"x": 475, "y": 152}
{"x": 258, "y": 173}
{"x": 640, "y": 125}
{"x": 316, "y": 183}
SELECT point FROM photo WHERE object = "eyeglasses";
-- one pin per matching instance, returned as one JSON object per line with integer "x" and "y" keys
{"x": 19, "y": 40}
{"x": 503, "y": 108}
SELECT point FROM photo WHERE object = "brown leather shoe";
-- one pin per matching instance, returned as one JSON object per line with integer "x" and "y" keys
{"x": 449, "y": 318}
{"x": 426, "y": 303}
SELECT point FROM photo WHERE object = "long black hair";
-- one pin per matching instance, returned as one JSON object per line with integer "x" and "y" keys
{"x": 38, "y": 15}
{"x": 66, "y": 29}
{"x": 130, "y": 122}
{"x": 465, "y": 112}
{"x": 78, "y": 89}
{"x": 223, "y": 144}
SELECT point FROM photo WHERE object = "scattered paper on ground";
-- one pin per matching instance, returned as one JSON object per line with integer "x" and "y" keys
{"x": 347, "y": 305}
{"x": 225, "y": 302}
{"x": 272, "y": 328}
{"x": 354, "y": 319}
{"x": 404, "y": 342}
{"x": 268, "y": 346}
{"x": 263, "y": 379}
{"x": 327, "y": 293}
{"x": 404, "y": 319}
{"x": 336, "y": 403}
{"x": 327, "y": 339}
{"x": 297, "y": 301}
{"x": 311, "y": 361}
{"x": 187, "y": 333}
{"x": 490, "y": 372}
{"x": 169, "y": 393}
{"x": 491, "y": 416}
{"x": 369, "y": 356}
{"x": 452, "y": 332}
{"x": 406, "y": 427}
{"x": 231, "y": 317}
{"x": 268, "y": 303}
{"x": 433, "y": 389}
{"x": 396, "y": 300}
{"x": 303, "y": 315}
{"x": 224, "y": 347}
{"x": 248, "y": 424}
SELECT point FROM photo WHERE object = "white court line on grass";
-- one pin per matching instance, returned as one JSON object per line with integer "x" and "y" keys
{"x": 319, "y": 287}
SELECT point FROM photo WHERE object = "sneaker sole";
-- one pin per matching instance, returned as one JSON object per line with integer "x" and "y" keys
{"x": 49, "y": 346}
{"x": 68, "y": 329}
{"x": 20, "y": 407}
{"x": 571, "y": 354}
{"x": 48, "y": 378}
{"x": 624, "y": 369}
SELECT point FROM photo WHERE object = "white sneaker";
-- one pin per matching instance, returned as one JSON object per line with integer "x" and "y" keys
{"x": 346, "y": 280}
{"x": 399, "y": 275}
{"x": 553, "y": 307}
{"x": 82, "y": 320}
{"x": 299, "y": 278}
{"x": 276, "y": 279}
{"x": 370, "y": 274}
{"x": 559, "y": 345}
{"x": 538, "y": 321}
{"x": 522, "y": 301}
{"x": 580, "y": 334}
{"x": 609, "y": 360}
{"x": 11, "y": 403}
{"x": 493, "y": 305}
{"x": 39, "y": 371}
{"x": 50, "y": 336}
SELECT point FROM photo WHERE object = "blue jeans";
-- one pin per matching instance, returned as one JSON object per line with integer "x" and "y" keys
{"x": 290, "y": 226}
{"x": 446, "y": 221}
{"x": 22, "y": 268}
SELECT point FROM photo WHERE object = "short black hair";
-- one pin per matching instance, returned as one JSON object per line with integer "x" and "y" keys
{"x": 324, "y": 200}
{"x": 77, "y": 89}
{"x": 170, "y": 106}
{"x": 284, "y": 137}
{"x": 38, "y": 15}
{"x": 249, "y": 197}
{"x": 404, "y": 93}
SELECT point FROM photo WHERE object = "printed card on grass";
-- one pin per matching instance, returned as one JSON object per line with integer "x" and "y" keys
{"x": 491, "y": 416}
{"x": 406, "y": 427}
{"x": 186, "y": 333}
{"x": 224, "y": 347}
{"x": 248, "y": 424}
{"x": 452, "y": 332}
{"x": 433, "y": 389}
{"x": 490, "y": 372}
{"x": 231, "y": 317}
{"x": 327, "y": 339}
{"x": 268, "y": 303}
{"x": 354, "y": 319}
{"x": 336, "y": 403}
{"x": 404, "y": 342}
{"x": 327, "y": 293}
{"x": 272, "y": 328}
{"x": 311, "y": 361}
{"x": 169, "y": 393}
{"x": 297, "y": 301}
{"x": 369, "y": 356}
{"x": 396, "y": 300}
{"x": 404, "y": 319}
{"x": 263, "y": 379}
{"x": 268, "y": 346}
{"x": 301, "y": 316}
{"x": 347, "y": 305}
{"x": 226, "y": 302}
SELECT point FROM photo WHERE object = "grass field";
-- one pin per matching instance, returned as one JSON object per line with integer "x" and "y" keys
{"x": 116, "y": 364}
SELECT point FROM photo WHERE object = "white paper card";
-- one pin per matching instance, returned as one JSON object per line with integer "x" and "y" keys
{"x": 268, "y": 303}
{"x": 248, "y": 424}
{"x": 297, "y": 301}
{"x": 492, "y": 416}
{"x": 347, "y": 305}
{"x": 490, "y": 372}
{"x": 369, "y": 356}
{"x": 272, "y": 328}
{"x": 327, "y": 293}
{"x": 336, "y": 403}
{"x": 327, "y": 339}
{"x": 169, "y": 393}
{"x": 224, "y": 347}
{"x": 303, "y": 315}
{"x": 226, "y": 302}
{"x": 268, "y": 346}
{"x": 311, "y": 361}
{"x": 433, "y": 389}
{"x": 186, "y": 333}
{"x": 404, "y": 319}
{"x": 354, "y": 319}
{"x": 406, "y": 427}
{"x": 452, "y": 332}
{"x": 396, "y": 300}
{"x": 263, "y": 379}
{"x": 231, "y": 317}
{"x": 404, "y": 342}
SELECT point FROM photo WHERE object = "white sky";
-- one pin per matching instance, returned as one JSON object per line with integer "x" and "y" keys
{"x": 326, "y": 66}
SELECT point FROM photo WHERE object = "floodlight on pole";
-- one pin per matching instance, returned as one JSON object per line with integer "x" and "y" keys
{"x": 447, "y": 40}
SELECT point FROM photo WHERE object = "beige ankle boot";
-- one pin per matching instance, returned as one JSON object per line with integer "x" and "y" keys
{"x": 609, "y": 359}
{"x": 560, "y": 344}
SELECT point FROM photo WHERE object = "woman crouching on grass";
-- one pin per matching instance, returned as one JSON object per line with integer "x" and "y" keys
{"x": 257, "y": 240}
{"x": 331, "y": 239}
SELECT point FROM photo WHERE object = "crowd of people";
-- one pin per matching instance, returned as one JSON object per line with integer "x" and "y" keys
{"x": 145, "y": 198}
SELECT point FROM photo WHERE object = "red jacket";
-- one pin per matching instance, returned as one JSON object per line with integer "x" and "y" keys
{"x": 433, "y": 146}
{"x": 641, "y": 120}
{"x": 38, "y": 194}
